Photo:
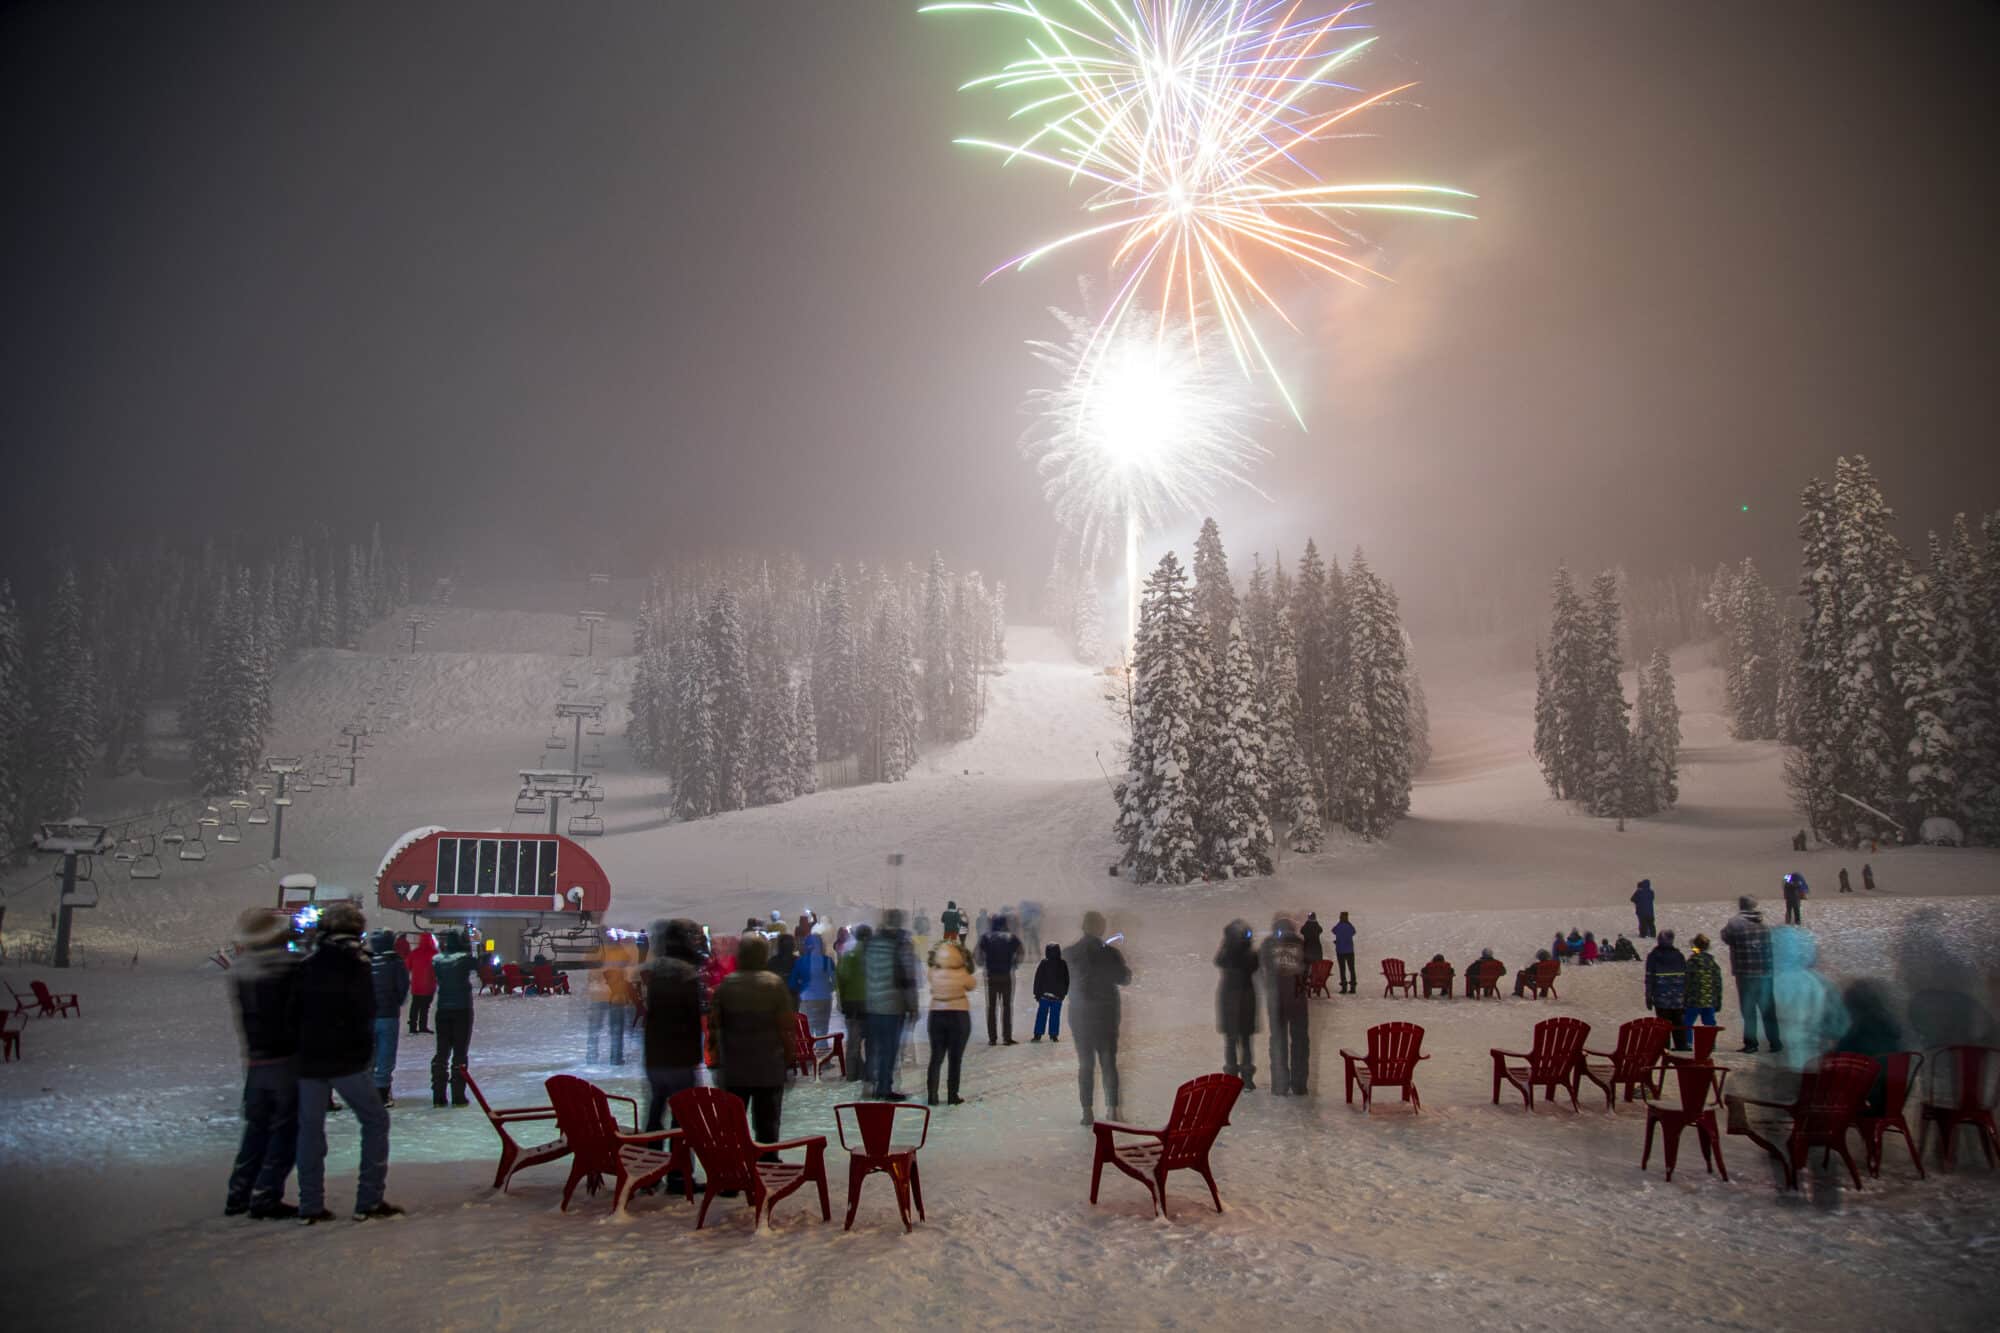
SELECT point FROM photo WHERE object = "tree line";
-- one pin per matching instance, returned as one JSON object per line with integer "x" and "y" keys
{"x": 1292, "y": 704}
{"x": 753, "y": 674}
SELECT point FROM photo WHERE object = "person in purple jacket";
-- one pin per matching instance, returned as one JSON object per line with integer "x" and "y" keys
{"x": 1343, "y": 952}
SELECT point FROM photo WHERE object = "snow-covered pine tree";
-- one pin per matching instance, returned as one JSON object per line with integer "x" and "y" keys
{"x": 936, "y": 649}
{"x": 697, "y": 753}
{"x": 1214, "y": 594}
{"x": 1548, "y": 725}
{"x": 378, "y": 575}
{"x": 326, "y": 633}
{"x": 1982, "y": 771}
{"x": 1259, "y": 615}
{"x": 1156, "y": 818}
{"x": 1566, "y": 723}
{"x": 970, "y": 627}
{"x": 893, "y": 713}
{"x": 291, "y": 592}
{"x": 1918, "y": 624}
{"x": 1757, "y": 629}
{"x": 1969, "y": 678}
{"x": 234, "y": 695}
{"x": 1375, "y": 772}
{"x": 996, "y": 624}
{"x": 1656, "y": 739}
{"x": 1420, "y": 716}
{"x": 1319, "y": 690}
{"x": 1869, "y": 725}
{"x": 769, "y": 776}
{"x": 1291, "y": 780}
{"x": 1233, "y": 770}
{"x": 1611, "y": 760}
{"x": 1088, "y": 645}
{"x": 805, "y": 740}
{"x": 354, "y": 617}
{"x": 62, "y": 727}
{"x": 13, "y": 726}
{"x": 1812, "y": 768}
{"x": 835, "y": 680}
{"x": 729, "y": 698}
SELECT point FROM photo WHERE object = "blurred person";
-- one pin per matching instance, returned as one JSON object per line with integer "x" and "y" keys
{"x": 1573, "y": 946}
{"x": 1749, "y": 942}
{"x": 1521, "y": 977}
{"x": 1560, "y": 947}
{"x": 390, "y": 979}
{"x": 952, "y": 982}
{"x": 609, "y": 993}
{"x": 1872, "y": 1030}
{"x": 920, "y": 927}
{"x": 1282, "y": 959}
{"x": 721, "y": 962}
{"x": 890, "y": 966}
{"x": 1031, "y": 927}
{"x": 1485, "y": 956}
{"x": 952, "y": 921}
{"x": 1096, "y": 971}
{"x": 812, "y": 981}
{"x": 1795, "y": 892}
{"x": 1624, "y": 952}
{"x": 842, "y": 939}
{"x": 674, "y": 1007}
{"x": 851, "y": 979}
{"x": 420, "y": 957}
{"x": 456, "y": 971}
{"x": 1845, "y": 885}
{"x": 784, "y": 952}
{"x": 751, "y": 1017}
{"x": 1343, "y": 952}
{"x": 1704, "y": 984}
{"x": 1812, "y": 1008}
{"x": 999, "y": 955}
{"x": 1867, "y": 877}
{"x": 1589, "y": 955}
{"x": 1666, "y": 985}
{"x": 1236, "y": 1001}
{"x": 1429, "y": 986}
{"x": 983, "y": 925}
{"x": 807, "y": 920}
{"x": 260, "y": 991}
{"x": 1051, "y": 988}
{"x": 1309, "y": 935}
{"x": 1642, "y": 907}
{"x": 333, "y": 1009}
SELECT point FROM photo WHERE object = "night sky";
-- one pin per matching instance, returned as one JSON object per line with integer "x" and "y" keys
{"x": 533, "y": 279}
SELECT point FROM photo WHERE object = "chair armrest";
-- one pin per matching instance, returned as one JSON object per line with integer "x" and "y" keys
{"x": 649, "y": 1136}
{"x": 1117, "y": 1127}
{"x": 1518, "y": 1055}
{"x": 525, "y": 1113}
{"x": 1346, "y": 1054}
{"x": 1423, "y": 1057}
{"x": 1598, "y": 1055}
{"x": 815, "y": 1141}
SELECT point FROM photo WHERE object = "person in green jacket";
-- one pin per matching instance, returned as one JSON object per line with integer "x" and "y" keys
{"x": 850, "y": 980}
{"x": 1704, "y": 984}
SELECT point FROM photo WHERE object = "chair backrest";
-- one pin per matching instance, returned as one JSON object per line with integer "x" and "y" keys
{"x": 1558, "y": 1042}
{"x": 480, "y": 1097}
{"x": 1436, "y": 972}
{"x": 1700, "y": 1084}
{"x": 511, "y": 972}
{"x": 1201, "y": 1109}
{"x": 1546, "y": 972}
{"x": 1640, "y": 1041}
{"x": 1393, "y": 1050}
{"x": 1321, "y": 970}
{"x": 1392, "y": 969}
{"x": 875, "y": 1125}
{"x": 583, "y": 1115}
{"x": 545, "y": 975}
{"x": 717, "y": 1127}
{"x": 803, "y": 1057}
{"x": 1831, "y": 1093}
{"x": 1899, "y": 1074}
{"x": 1969, "y": 1069}
{"x": 41, "y": 990}
{"x": 1486, "y": 972}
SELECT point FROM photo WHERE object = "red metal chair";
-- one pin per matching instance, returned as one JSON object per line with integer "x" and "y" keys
{"x": 514, "y": 1157}
{"x": 1437, "y": 977}
{"x": 1972, "y": 1069}
{"x": 1829, "y": 1098}
{"x": 717, "y": 1128}
{"x": 11, "y": 1026}
{"x": 1483, "y": 978}
{"x": 53, "y": 1004}
{"x": 1393, "y": 1052}
{"x": 1201, "y": 1109}
{"x": 1313, "y": 981}
{"x": 1634, "y": 1064}
{"x": 601, "y": 1148}
{"x": 1699, "y": 1087}
{"x": 1542, "y": 979}
{"x": 1899, "y": 1074}
{"x": 513, "y": 981}
{"x": 806, "y": 1058}
{"x": 1704, "y": 1041}
{"x": 1395, "y": 978}
{"x": 875, "y": 1125}
{"x": 1552, "y": 1064}
{"x": 549, "y": 981}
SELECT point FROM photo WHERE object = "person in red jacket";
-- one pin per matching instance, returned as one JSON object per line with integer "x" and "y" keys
{"x": 420, "y": 956}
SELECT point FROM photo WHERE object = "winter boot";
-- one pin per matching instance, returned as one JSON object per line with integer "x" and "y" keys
{"x": 381, "y": 1209}
{"x": 313, "y": 1219}
{"x": 273, "y": 1212}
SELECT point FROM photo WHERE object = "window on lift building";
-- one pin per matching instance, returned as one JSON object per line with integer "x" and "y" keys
{"x": 503, "y": 866}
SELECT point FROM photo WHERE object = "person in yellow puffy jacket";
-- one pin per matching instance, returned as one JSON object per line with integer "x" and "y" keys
{"x": 952, "y": 982}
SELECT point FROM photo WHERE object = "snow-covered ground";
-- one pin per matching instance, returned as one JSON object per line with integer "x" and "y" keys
{"x": 116, "y": 1131}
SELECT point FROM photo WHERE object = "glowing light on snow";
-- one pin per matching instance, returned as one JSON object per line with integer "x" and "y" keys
{"x": 1139, "y": 428}
{"x": 1187, "y": 121}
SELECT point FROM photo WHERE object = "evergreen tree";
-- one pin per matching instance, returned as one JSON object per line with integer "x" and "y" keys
{"x": 1565, "y": 709}
{"x": 1376, "y": 772}
{"x": 1979, "y": 571}
{"x": 326, "y": 633}
{"x": 1232, "y": 773}
{"x": 1317, "y": 686}
{"x": 1260, "y": 613}
{"x": 1869, "y": 722}
{"x": 729, "y": 698}
{"x": 234, "y": 698}
{"x": 770, "y": 764}
{"x": 1156, "y": 820}
{"x": 835, "y": 672}
{"x": 1919, "y": 652}
{"x": 1291, "y": 779}
{"x": 1969, "y": 676}
{"x": 1214, "y": 594}
{"x": 14, "y": 719}
{"x": 936, "y": 649}
{"x": 1548, "y": 725}
{"x": 893, "y": 707}
{"x": 355, "y": 616}
{"x": 1812, "y": 769}
{"x": 805, "y": 741}
{"x": 698, "y": 781}
{"x": 1656, "y": 738}
{"x": 1611, "y": 759}
{"x": 1088, "y": 645}
{"x": 62, "y": 727}
{"x": 997, "y": 625}
{"x": 1420, "y": 718}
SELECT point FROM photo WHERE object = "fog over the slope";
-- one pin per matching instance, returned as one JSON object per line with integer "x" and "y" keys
{"x": 530, "y": 278}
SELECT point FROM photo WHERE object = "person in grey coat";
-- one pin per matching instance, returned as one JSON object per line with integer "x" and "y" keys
{"x": 1236, "y": 1002}
{"x": 1283, "y": 961}
{"x": 1096, "y": 972}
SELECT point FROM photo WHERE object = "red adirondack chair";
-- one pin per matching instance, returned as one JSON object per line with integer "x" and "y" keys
{"x": 549, "y": 981}
{"x": 11, "y": 1026}
{"x": 1971, "y": 1069}
{"x": 512, "y": 980}
{"x": 1393, "y": 1052}
{"x": 1552, "y": 1064}
{"x": 1313, "y": 981}
{"x": 1829, "y": 1098}
{"x": 1698, "y": 1086}
{"x": 806, "y": 1058}
{"x": 1483, "y": 978}
{"x": 1542, "y": 979}
{"x": 718, "y": 1130}
{"x": 1201, "y": 1109}
{"x": 491, "y": 979}
{"x": 513, "y": 1156}
{"x": 600, "y": 1147}
{"x": 1437, "y": 978}
{"x": 1395, "y": 978}
{"x": 23, "y": 1004}
{"x": 52, "y": 1003}
{"x": 1633, "y": 1065}
{"x": 1899, "y": 1073}
{"x": 875, "y": 1126}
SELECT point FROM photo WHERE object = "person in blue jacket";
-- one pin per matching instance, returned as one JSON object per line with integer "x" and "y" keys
{"x": 812, "y": 982}
{"x": 1642, "y": 905}
{"x": 1343, "y": 952}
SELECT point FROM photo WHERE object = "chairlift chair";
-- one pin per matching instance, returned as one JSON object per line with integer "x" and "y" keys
{"x": 171, "y": 835}
{"x": 240, "y": 801}
{"x": 530, "y": 803}
{"x": 194, "y": 849}
{"x": 594, "y": 759}
{"x": 594, "y": 727}
{"x": 259, "y": 813}
{"x": 230, "y": 831}
{"x": 556, "y": 740}
{"x": 128, "y": 851}
{"x": 280, "y": 802}
{"x": 569, "y": 680}
{"x": 211, "y": 818}
{"x": 587, "y": 825}
{"x": 147, "y": 864}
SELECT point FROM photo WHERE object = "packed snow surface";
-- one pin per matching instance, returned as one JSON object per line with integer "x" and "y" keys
{"x": 117, "y": 1129}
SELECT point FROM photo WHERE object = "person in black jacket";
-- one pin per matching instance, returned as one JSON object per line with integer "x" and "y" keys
{"x": 455, "y": 970}
{"x": 1236, "y": 1002}
{"x": 334, "y": 1012}
{"x": 390, "y": 977}
{"x": 1310, "y": 934}
{"x": 999, "y": 954}
{"x": 1282, "y": 958}
{"x": 673, "y": 1015}
{"x": 261, "y": 985}
{"x": 1098, "y": 971}
{"x": 1051, "y": 989}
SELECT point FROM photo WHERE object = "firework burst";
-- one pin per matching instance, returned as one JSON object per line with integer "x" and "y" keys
{"x": 1189, "y": 122}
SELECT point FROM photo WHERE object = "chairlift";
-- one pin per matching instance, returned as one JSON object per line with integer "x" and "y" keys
{"x": 128, "y": 851}
{"x": 588, "y": 825}
{"x": 171, "y": 835}
{"x": 260, "y": 813}
{"x": 556, "y": 740}
{"x": 530, "y": 803}
{"x": 231, "y": 831}
{"x": 594, "y": 759}
{"x": 262, "y": 787}
{"x": 83, "y": 894}
{"x": 147, "y": 864}
{"x": 211, "y": 818}
{"x": 194, "y": 849}
{"x": 569, "y": 680}
{"x": 594, "y": 727}
{"x": 280, "y": 802}
{"x": 240, "y": 801}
